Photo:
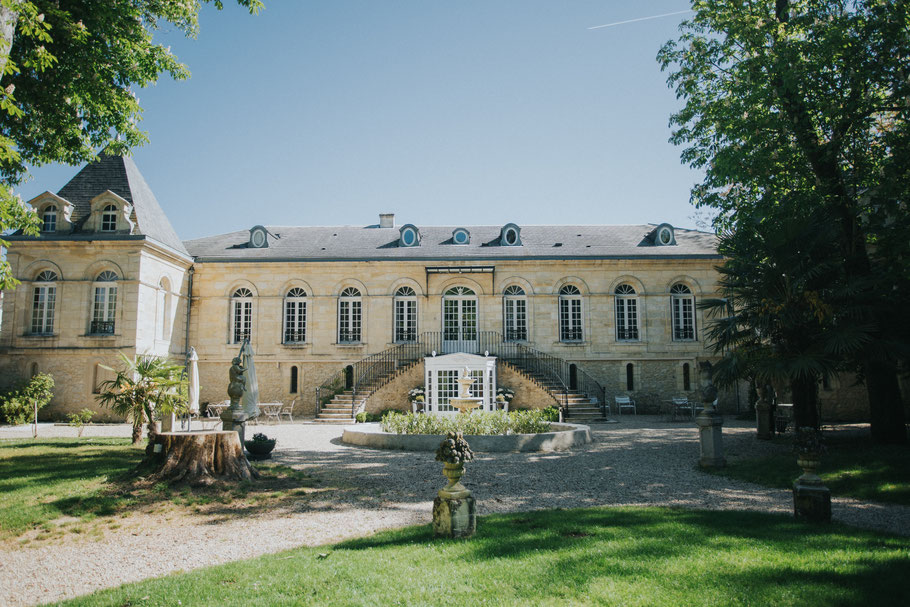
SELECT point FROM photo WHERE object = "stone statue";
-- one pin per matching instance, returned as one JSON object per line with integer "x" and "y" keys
{"x": 237, "y": 382}
{"x": 708, "y": 390}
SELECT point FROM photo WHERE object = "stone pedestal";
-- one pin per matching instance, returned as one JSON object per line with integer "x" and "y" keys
{"x": 712, "y": 443}
{"x": 232, "y": 419}
{"x": 811, "y": 502}
{"x": 764, "y": 420}
{"x": 454, "y": 517}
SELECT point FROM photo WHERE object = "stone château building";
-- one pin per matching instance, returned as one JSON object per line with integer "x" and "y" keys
{"x": 612, "y": 307}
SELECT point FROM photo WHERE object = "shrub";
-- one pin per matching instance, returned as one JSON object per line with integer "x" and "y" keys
{"x": 551, "y": 414}
{"x": 17, "y": 405}
{"x": 78, "y": 420}
{"x": 496, "y": 422}
{"x": 364, "y": 417}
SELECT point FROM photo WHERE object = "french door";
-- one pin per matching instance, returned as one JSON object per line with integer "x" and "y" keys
{"x": 459, "y": 321}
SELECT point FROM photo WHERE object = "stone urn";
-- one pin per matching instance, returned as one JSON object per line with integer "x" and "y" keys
{"x": 809, "y": 462}
{"x": 454, "y": 490}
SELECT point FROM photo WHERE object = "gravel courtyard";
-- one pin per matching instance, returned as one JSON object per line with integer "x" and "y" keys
{"x": 641, "y": 461}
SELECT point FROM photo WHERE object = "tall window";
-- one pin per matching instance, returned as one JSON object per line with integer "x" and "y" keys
{"x": 630, "y": 377}
{"x": 405, "y": 315}
{"x": 350, "y": 316}
{"x": 682, "y": 311}
{"x": 687, "y": 377}
{"x": 515, "y": 314}
{"x": 294, "y": 377}
{"x": 49, "y": 219}
{"x": 104, "y": 308}
{"x": 295, "y": 317}
{"x": 626, "y": 313}
{"x": 45, "y": 296}
{"x": 570, "y": 320}
{"x": 241, "y": 315}
{"x": 109, "y": 218}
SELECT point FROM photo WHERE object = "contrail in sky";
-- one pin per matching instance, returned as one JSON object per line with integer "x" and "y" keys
{"x": 597, "y": 27}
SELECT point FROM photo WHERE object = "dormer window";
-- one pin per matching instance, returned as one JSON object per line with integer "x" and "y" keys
{"x": 461, "y": 236}
{"x": 49, "y": 219}
{"x": 510, "y": 236}
{"x": 409, "y": 236}
{"x": 664, "y": 236}
{"x": 109, "y": 218}
{"x": 259, "y": 238}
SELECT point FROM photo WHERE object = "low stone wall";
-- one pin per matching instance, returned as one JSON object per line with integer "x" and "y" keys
{"x": 564, "y": 436}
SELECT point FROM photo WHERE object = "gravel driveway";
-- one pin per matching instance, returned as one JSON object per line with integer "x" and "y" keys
{"x": 641, "y": 461}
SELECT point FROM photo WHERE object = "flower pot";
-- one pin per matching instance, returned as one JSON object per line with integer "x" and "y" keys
{"x": 809, "y": 462}
{"x": 454, "y": 490}
{"x": 260, "y": 449}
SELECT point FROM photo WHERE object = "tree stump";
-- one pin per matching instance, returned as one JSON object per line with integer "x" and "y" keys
{"x": 202, "y": 457}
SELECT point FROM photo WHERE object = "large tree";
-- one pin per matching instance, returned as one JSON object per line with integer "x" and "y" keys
{"x": 68, "y": 73}
{"x": 792, "y": 106}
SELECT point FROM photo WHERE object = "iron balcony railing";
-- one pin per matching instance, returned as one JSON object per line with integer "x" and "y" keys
{"x": 554, "y": 374}
{"x": 294, "y": 337}
{"x": 102, "y": 327}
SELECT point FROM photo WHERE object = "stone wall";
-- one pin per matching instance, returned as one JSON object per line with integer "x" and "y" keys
{"x": 528, "y": 394}
{"x": 394, "y": 395}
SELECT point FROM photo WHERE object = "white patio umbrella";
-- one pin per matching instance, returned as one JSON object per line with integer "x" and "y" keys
{"x": 193, "y": 378}
{"x": 250, "y": 399}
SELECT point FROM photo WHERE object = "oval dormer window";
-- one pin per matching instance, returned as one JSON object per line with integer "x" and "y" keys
{"x": 259, "y": 238}
{"x": 665, "y": 235}
{"x": 511, "y": 235}
{"x": 409, "y": 236}
{"x": 461, "y": 236}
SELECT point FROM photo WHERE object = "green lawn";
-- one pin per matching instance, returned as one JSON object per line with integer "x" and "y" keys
{"x": 852, "y": 467}
{"x": 43, "y": 480}
{"x": 59, "y": 486}
{"x": 621, "y": 556}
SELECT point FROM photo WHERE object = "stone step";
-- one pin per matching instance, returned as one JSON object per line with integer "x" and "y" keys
{"x": 347, "y": 421}
{"x": 324, "y": 415}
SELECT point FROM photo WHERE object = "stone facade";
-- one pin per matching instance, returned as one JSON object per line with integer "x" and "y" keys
{"x": 157, "y": 276}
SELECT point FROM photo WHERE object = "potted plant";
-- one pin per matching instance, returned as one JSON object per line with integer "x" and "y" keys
{"x": 417, "y": 396}
{"x": 260, "y": 447}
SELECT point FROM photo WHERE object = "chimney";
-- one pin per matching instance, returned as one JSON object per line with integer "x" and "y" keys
{"x": 387, "y": 220}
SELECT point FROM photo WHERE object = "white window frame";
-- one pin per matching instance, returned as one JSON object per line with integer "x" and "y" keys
{"x": 404, "y": 313}
{"x": 241, "y": 315}
{"x": 571, "y": 315}
{"x": 44, "y": 299}
{"x": 49, "y": 219}
{"x": 682, "y": 313}
{"x": 626, "y": 309}
{"x": 108, "y": 219}
{"x": 104, "y": 304}
{"x": 514, "y": 314}
{"x": 295, "y": 311}
{"x": 350, "y": 316}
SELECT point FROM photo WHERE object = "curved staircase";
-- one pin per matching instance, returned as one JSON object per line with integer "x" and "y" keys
{"x": 346, "y": 393}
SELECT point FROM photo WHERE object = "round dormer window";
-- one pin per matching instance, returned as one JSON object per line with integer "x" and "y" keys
{"x": 258, "y": 239}
{"x": 511, "y": 236}
{"x": 665, "y": 235}
{"x": 461, "y": 237}
{"x": 409, "y": 237}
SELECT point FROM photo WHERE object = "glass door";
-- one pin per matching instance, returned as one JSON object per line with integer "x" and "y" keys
{"x": 459, "y": 321}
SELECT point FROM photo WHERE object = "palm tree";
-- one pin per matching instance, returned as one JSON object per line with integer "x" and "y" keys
{"x": 784, "y": 317}
{"x": 144, "y": 386}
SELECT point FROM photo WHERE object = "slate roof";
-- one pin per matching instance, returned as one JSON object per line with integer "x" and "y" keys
{"x": 375, "y": 243}
{"x": 120, "y": 175}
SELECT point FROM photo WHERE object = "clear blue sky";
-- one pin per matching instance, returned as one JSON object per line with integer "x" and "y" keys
{"x": 472, "y": 112}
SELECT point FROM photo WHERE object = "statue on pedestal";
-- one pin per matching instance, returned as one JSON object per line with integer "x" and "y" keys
{"x": 236, "y": 382}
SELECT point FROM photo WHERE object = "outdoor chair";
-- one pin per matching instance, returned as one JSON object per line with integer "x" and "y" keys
{"x": 625, "y": 402}
{"x": 681, "y": 404}
{"x": 288, "y": 410}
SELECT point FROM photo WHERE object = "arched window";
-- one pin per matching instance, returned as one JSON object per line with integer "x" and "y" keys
{"x": 405, "y": 303}
{"x": 295, "y": 316}
{"x": 104, "y": 306}
{"x": 459, "y": 320}
{"x": 109, "y": 218}
{"x": 570, "y": 318}
{"x": 682, "y": 312}
{"x": 49, "y": 219}
{"x": 294, "y": 378}
{"x": 350, "y": 316}
{"x": 241, "y": 315}
{"x": 43, "y": 302}
{"x": 630, "y": 377}
{"x": 626, "y": 313}
{"x": 515, "y": 313}
{"x": 687, "y": 377}
{"x": 163, "y": 309}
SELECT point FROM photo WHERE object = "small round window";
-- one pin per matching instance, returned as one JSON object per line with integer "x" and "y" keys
{"x": 511, "y": 236}
{"x": 460, "y": 237}
{"x": 258, "y": 239}
{"x": 665, "y": 236}
{"x": 408, "y": 237}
